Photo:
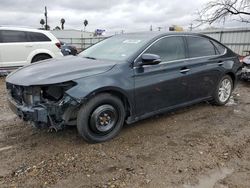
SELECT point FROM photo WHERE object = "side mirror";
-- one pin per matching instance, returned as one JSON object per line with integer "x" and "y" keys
{"x": 150, "y": 59}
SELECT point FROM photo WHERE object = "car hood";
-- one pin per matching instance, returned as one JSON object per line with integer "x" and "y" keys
{"x": 58, "y": 70}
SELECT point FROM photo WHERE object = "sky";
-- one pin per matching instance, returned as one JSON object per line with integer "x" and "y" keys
{"x": 111, "y": 15}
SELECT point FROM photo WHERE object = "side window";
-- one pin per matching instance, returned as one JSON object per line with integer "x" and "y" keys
{"x": 198, "y": 47}
{"x": 37, "y": 37}
{"x": 13, "y": 36}
{"x": 220, "y": 49}
{"x": 169, "y": 48}
{"x": 1, "y": 37}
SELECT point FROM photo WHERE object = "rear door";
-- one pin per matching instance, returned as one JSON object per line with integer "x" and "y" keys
{"x": 163, "y": 85}
{"x": 14, "y": 48}
{"x": 0, "y": 49}
{"x": 205, "y": 64}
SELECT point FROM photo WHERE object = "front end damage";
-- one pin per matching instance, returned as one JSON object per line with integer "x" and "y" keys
{"x": 44, "y": 105}
{"x": 245, "y": 74}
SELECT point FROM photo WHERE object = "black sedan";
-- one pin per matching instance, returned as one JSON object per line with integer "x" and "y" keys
{"x": 127, "y": 77}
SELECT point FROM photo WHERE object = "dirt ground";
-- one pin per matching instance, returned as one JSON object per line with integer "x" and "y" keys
{"x": 200, "y": 146}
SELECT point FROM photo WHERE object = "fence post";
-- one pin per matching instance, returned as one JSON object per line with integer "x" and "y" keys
{"x": 221, "y": 33}
{"x": 82, "y": 43}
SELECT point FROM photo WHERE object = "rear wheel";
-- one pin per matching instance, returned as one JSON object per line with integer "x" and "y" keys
{"x": 40, "y": 57}
{"x": 101, "y": 118}
{"x": 223, "y": 91}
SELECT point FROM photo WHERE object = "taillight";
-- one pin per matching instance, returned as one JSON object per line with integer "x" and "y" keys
{"x": 58, "y": 44}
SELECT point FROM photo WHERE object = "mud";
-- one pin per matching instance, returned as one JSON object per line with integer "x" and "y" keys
{"x": 199, "y": 146}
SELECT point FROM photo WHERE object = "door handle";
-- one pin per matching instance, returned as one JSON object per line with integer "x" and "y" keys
{"x": 184, "y": 70}
{"x": 29, "y": 45}
{"x": 220, "y": 63}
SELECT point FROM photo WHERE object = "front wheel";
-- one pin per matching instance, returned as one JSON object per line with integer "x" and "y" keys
{"x": 101, "y": 118}
{"x": 223, "y": 91}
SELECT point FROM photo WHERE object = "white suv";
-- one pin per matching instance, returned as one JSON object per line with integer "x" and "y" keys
{"x": 21, "y": 46}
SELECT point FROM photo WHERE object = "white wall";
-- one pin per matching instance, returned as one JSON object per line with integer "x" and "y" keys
{"x": 72, "y": 34}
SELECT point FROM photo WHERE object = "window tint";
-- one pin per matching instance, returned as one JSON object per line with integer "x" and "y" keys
{"x": 37, "y": 37}
{"x": 220, "y": 49}
{"x": 169, "y": 48}
{"x": 199, "y": 47}
{"x": 13, "y": 36}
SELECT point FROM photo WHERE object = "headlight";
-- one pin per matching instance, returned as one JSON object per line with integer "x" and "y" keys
{"x": 56, "y": 92}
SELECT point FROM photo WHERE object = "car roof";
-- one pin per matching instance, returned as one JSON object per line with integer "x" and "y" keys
{"x": 22, "y": 29}
{"x": 158, "y": 34}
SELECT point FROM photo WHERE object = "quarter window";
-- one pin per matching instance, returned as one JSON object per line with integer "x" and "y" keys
{"x": 37, "y": 37}
{"x": 169, "y": 48}
{"x": 199, "y": 47}
{"x": 220, "y": 49}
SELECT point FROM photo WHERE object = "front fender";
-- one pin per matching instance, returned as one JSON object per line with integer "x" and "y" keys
{"x": 111, "y": 81}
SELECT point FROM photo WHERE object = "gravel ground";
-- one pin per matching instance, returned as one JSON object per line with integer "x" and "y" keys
{"x": 200, "y": 146}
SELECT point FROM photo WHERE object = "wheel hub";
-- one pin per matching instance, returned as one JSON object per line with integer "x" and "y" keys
{"x": 225, "y": 90}
{"x": 104, "y": 118}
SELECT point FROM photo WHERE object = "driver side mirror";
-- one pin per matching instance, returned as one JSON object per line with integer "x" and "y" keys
{"x": 150, "y": 59}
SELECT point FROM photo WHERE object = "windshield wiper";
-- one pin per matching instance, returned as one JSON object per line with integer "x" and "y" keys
{"x": 90, "y": 57}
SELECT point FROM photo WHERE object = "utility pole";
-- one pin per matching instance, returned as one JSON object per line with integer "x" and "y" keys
{"x": 191, "y": 27}
{"x": 46, "y": 18}
{"x": 159, "y": 28}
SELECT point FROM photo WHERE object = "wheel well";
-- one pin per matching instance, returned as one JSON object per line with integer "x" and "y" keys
{"x": 232, "y": 77}
{"x": 121, "y": 96}
{"x": 45, "y": 54}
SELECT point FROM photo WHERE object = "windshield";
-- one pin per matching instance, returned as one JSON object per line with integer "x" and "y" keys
{"x": 116, "y": 48}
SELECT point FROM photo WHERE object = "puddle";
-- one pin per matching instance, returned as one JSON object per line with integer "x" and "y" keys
{"x": 210, "y": 180}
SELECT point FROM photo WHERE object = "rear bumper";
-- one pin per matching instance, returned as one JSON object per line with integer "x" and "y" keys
{"x": 26, "y": 113}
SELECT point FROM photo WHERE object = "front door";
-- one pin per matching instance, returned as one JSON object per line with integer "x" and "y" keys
{"x": 163, "y": 85}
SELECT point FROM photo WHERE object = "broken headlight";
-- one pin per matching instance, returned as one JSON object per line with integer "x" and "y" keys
{"x": 56, "y": 92}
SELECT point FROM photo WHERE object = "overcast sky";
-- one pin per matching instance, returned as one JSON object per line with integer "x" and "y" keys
{"x": 111, "y": 15}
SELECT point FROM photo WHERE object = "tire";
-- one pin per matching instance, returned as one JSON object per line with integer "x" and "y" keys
{"x": 218, "y": 99}
{"x": 40, "y": 57}
{"x": 101, "y": 118}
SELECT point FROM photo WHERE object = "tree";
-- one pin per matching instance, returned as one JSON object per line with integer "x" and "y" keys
{"x": 62, "y": 23}
{"x": 85, "y": 24}
{"x": 42, "y": 22}
{"x": 220, "y": 10}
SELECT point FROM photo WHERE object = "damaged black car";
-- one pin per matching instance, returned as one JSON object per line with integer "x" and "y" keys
{"x": 124, "y": 78}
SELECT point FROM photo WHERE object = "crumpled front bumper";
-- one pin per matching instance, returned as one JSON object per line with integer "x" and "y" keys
{"x": 245, "y": 73}
{"x": 28, "y": 113}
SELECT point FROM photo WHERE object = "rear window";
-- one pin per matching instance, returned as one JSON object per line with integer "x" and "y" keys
{"x": 8, "y": 36}
{"x": 200, "y": 47}
{"x": 37, "y": 37}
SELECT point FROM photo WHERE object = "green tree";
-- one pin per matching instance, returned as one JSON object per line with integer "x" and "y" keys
{"x": 62, "y": 23}
{"x": 42, "y": 22}
{"x": 85, "y": 24}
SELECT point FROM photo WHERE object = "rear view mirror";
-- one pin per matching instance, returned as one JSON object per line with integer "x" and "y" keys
{"x": 150, "y": 59}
